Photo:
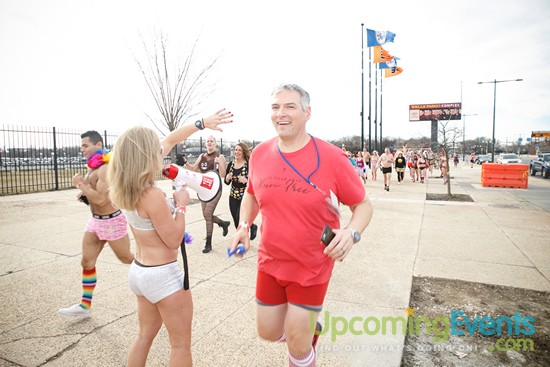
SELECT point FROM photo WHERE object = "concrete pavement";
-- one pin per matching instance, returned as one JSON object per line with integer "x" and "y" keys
{"x": 501, "y": 238}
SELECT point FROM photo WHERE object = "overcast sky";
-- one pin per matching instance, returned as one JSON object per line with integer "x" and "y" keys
{"x": 70, "y": 63}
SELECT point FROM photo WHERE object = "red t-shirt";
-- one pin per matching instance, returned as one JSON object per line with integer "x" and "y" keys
{"x": 294, "y": 212}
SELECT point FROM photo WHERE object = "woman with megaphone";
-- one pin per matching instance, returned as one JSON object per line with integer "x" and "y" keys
{"x": 155, "y": 277}
{"x": 212, "y": 160}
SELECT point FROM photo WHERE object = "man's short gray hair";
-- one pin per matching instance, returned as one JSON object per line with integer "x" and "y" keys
{"x": 304, "y": 96}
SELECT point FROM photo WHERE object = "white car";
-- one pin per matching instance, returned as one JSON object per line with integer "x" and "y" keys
{"x": 506, "y": 158}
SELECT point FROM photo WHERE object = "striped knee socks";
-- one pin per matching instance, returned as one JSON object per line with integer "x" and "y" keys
{"x": 89, "y": 279}
{"x": 307, "y": 360}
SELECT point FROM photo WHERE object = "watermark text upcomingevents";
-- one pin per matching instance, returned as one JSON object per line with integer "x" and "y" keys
{"x": 514, "y": 332}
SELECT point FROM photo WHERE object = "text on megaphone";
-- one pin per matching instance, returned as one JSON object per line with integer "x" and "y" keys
{"x": 207, "y": 185}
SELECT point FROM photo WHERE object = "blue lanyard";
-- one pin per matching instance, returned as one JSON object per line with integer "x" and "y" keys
{"x": 308, "y": 179}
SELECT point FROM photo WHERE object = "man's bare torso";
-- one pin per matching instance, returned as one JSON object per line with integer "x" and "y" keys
{"x": 93, "y": 177}
{"x": 386, "y": 160}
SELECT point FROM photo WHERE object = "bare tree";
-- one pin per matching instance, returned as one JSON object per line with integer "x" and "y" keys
{"x": 449, "y": 136}
{"x": 178, "y": 89}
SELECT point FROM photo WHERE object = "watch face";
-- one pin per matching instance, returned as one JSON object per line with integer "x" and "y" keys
{"x": 355, "y": 235}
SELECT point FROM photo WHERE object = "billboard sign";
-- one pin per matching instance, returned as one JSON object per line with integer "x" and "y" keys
{"x": 435, "y": 111}
{"x": 540, "y": 134}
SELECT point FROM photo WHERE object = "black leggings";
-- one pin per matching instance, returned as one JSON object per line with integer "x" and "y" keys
{"x": 208, "y": 214}
{"x": 235, "y": 209}
{"x": 400, "y": 175}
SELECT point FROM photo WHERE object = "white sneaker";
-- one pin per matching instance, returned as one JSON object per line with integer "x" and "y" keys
{"x": 75, "y": 310}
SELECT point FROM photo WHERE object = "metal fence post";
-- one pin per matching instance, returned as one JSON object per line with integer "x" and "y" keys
{"x": 55, "y": 166}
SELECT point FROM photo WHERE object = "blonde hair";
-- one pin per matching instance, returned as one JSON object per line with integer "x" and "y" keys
{"x": 135, "y": 159}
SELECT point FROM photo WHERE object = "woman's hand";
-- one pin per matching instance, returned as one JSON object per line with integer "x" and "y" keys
{"x": 181, "y": 197}
{"x": 219, "y": 118}
{"x": 229, "y": 176}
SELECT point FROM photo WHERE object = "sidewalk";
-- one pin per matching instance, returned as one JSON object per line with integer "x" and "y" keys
{"x": 498, "y": 239}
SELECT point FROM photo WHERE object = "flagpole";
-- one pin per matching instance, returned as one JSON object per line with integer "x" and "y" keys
{"x": 370, "y": 98}
{"x": 376, "y": 107}
{"x": 362, "y": 92}
{"x": 463, "y": 137}
{"x": 381, "y": 109}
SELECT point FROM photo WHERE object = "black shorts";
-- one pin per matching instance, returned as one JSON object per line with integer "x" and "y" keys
{"x": 386, "y": 169}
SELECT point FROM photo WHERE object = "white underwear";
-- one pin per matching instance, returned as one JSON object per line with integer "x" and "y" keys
{"x": 155, "y": 282}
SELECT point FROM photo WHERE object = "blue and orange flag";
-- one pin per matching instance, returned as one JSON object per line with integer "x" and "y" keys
{"x": 378, "y": 38}
{"x": 393, "y": 71}
{"x": 381, "y": 55}
{"x": 388, "y": 64}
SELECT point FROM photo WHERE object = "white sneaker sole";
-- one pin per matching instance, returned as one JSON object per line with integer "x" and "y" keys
{"x": 75, "y": 314}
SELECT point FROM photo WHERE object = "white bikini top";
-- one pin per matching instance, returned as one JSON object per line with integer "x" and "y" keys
{"x": 137, "y": 222}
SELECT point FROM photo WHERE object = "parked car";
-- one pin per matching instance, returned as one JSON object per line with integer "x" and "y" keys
{"x": 483, "y": 158}
{"x": 540, "y": 164}
{"x": 506, "y": 158}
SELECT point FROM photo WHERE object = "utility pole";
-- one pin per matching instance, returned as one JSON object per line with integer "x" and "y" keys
{"x": 495, "y": 107}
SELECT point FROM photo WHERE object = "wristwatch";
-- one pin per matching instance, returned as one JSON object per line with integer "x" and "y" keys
{"x": 354, "y": 234}
{"x": 198, "y": 125}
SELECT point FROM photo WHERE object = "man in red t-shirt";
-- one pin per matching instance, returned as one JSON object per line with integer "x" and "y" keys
{"x": 296, "y": 182}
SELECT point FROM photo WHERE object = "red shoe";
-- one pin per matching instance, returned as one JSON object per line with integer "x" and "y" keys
{"x": 318, "y": 329}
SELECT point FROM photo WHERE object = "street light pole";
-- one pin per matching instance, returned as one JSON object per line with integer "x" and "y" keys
{"x": 495, "y": 107}
{"x": 464, "y": 133}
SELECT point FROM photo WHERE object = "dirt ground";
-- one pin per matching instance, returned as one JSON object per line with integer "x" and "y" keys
{"x": 434, "y": 297}
{"x": 453, "y": 197}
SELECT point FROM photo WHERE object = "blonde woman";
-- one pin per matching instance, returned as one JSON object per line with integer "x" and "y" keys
{"x": 155, "y": 277}
{"x": 374, "y": 162}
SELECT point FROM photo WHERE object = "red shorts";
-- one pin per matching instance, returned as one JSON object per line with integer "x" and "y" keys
{"x": 272, "y": 291}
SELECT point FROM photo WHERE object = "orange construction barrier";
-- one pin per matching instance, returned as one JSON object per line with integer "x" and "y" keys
{"x": 504, "y": 175}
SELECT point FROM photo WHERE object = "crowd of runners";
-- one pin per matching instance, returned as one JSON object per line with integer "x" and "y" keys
{"x": 420, "y": 163}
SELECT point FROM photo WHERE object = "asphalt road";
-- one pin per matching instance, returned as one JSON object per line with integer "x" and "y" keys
{"x": 538, "y": 191}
